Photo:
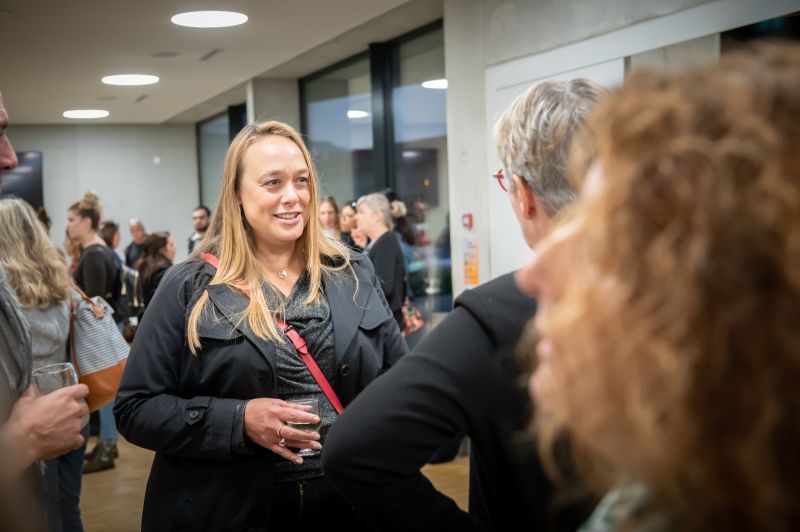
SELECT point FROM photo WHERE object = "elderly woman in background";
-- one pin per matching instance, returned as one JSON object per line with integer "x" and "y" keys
{"x": 670, "y": 302}
{"x": 213, "y": 366}
{"x": 375, "y": 220}
{"x": 39, "y": 279}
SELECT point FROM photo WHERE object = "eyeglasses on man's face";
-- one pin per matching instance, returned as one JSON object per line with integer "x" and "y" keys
{"x": 500, "y": 178}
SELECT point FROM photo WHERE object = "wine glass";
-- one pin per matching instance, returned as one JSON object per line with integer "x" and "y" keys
{"x": 308, "y": 427}
{"x": 54, "y": 376}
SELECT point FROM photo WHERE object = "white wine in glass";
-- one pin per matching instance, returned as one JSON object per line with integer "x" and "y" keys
{"x": 308, "y": 427}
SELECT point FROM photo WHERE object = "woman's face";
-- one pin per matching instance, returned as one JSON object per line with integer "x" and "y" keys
{"x": 327, "y": 215}
{"x": 77, "y": 226}
{"x": 275, "y": 191}
{"x": 366, "y": 219}
{"x": 169, "y": 249}
{"x": 347, "y": 219}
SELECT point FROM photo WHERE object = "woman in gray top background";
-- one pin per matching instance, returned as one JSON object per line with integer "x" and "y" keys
{"x": 39, "y": 279}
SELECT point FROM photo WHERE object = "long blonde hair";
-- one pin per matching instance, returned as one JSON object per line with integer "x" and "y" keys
{"x": 231, "y": 238}
{"x": 32, "y": 264}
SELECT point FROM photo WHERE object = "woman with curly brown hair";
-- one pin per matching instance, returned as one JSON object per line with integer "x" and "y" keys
{"x": 670, "y": 302}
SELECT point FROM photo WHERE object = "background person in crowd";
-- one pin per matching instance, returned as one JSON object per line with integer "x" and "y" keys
{"x": 39, "y": 279}
{"x": 96, "y": 274}
{"x": 347, "y": 222}
{"x": 374, "y": 219}
{"x": 210, "y": 374}
{"x": 42, "y": 216}
{"x": 159, "y": 252}
{"x": 135, "y": 249}
{"x": 102, "y": 455}
{"x": 31, "y": 428}
{"x": 360, "y": 238}
{"x": 201, "y": 218}
{"x": 463, "y": 378}
{"x": 329, "y": 217}
{"x": 670, "y": 302}
{"x": 109, "y": 232}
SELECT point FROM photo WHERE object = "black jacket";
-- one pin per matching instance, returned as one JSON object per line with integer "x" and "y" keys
{"x": 97, "y": 271}
{"x": 387, "y": 256}
{"x": 462, "y": 379}
{"x": 206, "y": 475}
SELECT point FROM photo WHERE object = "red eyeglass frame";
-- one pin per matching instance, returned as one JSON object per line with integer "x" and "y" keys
{"x": 499, "y": 176}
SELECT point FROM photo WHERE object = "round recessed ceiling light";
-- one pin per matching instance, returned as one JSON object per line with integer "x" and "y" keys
{"x": 130, "y": 79}
{"x": 435, "y": 84}
{"x": 86, "y": 113}
{"x": 357, "y": 114}
{"x": 209, "y": 19}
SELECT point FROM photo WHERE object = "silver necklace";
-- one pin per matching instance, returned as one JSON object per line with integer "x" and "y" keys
{"x": 283, "y": 274}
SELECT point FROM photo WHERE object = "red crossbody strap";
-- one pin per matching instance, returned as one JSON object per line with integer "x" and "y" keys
{"x": 299, "y": 345}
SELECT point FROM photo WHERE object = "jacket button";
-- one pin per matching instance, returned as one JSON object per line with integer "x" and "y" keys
{"x": 193, "y": 414}
{"x": 344, "y": 370}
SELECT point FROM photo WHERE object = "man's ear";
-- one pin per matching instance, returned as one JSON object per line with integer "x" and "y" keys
{"x": 525, "y": 198}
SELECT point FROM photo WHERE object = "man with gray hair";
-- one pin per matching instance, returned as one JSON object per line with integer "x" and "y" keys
{"x": 463, "y": 378}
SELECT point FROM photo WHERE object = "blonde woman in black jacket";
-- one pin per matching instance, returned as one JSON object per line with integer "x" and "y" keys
{"x": 210, "y": 373}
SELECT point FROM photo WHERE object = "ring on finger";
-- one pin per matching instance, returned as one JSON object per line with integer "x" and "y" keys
{"x": 282, "y": 442}
{"x": 280, "y": 428}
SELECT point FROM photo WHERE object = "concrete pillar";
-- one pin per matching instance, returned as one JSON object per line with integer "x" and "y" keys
{"x": 274, "y": 99}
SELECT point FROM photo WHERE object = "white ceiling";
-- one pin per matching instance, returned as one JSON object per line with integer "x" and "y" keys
{"x": 53, "y": 53}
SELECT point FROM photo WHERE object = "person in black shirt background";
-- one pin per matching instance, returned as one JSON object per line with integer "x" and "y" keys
{"x": 135, "y": 249}
{"x": 96, "y": 270}
{"x": 201, "y": 219}
{"x": 96, "y": 275}
{"x": 375, "y": 220}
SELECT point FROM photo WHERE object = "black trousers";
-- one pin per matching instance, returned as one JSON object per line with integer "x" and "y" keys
{"x": 312, "y": 504}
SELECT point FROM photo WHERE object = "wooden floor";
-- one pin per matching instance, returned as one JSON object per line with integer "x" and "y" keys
{"x": 112, "y": 500}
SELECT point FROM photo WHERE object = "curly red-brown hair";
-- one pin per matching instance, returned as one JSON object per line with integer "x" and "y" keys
{"x": 678, "y": 325}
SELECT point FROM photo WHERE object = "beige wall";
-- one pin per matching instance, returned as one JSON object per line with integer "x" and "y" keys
{"x": 274, "y": 99}
{"x": 696, "y": 52}
{"x": 149, "y": 172}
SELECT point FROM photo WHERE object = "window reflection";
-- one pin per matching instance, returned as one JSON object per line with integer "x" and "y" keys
{"x": 420, "y": 154}
{"x": 339, "y": 128}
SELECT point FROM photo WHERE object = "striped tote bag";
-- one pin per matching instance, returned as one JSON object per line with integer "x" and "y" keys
{"x": 97, "y": 348}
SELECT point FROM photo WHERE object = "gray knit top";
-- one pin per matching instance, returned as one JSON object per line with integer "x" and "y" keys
{"x": 313, "y": 323}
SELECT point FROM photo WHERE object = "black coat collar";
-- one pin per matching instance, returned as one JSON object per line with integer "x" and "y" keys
{"x": 348, "y": 308}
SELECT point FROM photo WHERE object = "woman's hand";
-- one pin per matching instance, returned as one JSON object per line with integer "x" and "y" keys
{"x": 265, "y": 424}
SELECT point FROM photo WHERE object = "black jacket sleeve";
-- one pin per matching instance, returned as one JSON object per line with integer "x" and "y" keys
{"x": 153, "y": 409}
{"x": 374, "y": 452}
{"x": 453, "y": 383}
